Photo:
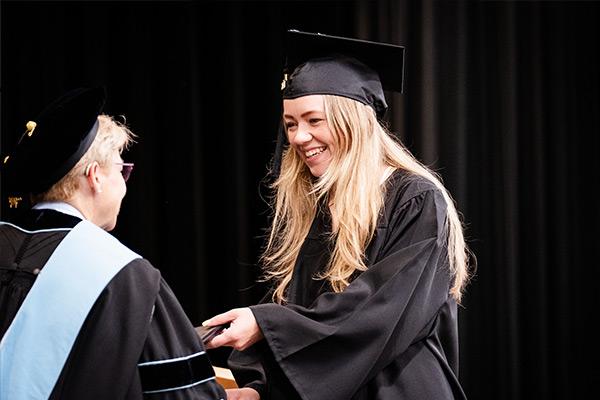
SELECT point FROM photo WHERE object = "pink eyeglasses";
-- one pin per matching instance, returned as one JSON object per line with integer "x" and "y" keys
{"x": 126, "y": 171}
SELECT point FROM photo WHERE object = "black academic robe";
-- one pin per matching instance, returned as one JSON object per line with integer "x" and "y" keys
{"x": 391, "y": 334}
{"x": 136, "y": 319}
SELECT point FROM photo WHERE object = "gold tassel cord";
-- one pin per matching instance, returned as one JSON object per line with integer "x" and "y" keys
{"x": 30, "y": 127}
{"x": 13, "y": 202}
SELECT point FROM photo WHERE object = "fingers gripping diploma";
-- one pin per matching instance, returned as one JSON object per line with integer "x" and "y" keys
{"x": 243, "y": 331}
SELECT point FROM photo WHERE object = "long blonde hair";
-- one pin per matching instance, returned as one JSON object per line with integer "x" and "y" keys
{"x": 355, "y": 193}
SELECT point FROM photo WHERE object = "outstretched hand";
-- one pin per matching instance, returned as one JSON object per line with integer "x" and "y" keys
{"x": 242, "y": 394}
{"x": 243, "y": 331}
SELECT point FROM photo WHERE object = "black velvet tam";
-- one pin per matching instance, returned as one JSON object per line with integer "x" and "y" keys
{"x": 357, "y": 69}
{"x": 54, "y": 141}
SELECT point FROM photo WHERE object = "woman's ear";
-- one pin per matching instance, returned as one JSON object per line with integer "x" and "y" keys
{"x": 94, "y": 177}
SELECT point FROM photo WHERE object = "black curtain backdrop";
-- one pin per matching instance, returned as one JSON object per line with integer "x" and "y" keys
{"x": 502, "y": 99}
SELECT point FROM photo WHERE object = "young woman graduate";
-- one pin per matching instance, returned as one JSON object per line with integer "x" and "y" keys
{"x": 366, "y": 250}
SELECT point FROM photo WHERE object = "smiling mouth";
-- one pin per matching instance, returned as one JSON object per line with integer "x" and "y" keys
{"x": 315, "y": 152}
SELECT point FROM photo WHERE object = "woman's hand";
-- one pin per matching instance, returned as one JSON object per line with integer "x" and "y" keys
{"x": 242, "y": 394}
{"x": 243, "y": 331}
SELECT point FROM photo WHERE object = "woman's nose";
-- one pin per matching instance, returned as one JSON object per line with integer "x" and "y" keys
{"x": 303, "y": 135}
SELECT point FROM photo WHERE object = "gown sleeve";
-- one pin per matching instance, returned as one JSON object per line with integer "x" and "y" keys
{"x": 247, "y": 368}
{"x": 171, "y": 336}
{"x": 137, "y": 319}
{"x": 333, "y": 347}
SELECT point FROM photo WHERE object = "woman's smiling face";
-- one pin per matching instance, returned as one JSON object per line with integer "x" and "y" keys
{"x": 308, "y": 131}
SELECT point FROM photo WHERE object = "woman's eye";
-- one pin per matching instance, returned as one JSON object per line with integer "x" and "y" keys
{"x": 289, "y": 125}
{"x": 314, "y": 121}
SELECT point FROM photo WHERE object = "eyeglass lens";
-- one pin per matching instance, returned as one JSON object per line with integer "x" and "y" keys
{"x": 126, "y": 171}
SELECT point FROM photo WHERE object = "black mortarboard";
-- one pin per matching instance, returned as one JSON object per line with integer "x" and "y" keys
{"x": 357, "y": 69}
{"x": 54, "y": 141}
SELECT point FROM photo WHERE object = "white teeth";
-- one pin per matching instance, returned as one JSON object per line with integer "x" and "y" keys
{"x": 314, "y": 152}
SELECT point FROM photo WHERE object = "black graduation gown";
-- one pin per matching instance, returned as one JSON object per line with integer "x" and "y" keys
{"x": 392, "y": 334}
{"x": 136, "y": 319}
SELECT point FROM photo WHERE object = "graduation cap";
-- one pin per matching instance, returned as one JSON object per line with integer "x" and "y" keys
{"x": 53, "y": 142}
{"x": 332, "y": 65}
{"x": 357, "y": 69}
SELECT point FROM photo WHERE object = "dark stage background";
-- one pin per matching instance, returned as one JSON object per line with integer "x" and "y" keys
{"x": 502, "y": 99}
